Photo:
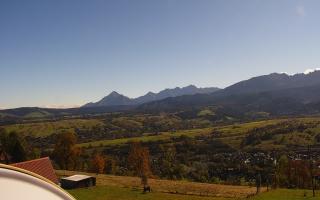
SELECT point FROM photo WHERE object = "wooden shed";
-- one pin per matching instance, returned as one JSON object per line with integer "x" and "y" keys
{"x": 78, "y": 181}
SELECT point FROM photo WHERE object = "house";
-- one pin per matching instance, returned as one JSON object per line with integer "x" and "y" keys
{"x": 42, "y": 167}
{"x": 77, "y": 181}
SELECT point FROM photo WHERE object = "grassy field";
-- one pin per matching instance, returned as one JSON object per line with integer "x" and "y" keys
{"x": 227, "y": 132}
{"x": 231, "y": 135}
{"x": 128, "y": 187}
{"x": 42, "y": 129}
{"x": 286, "y": 194}
{"x": 118, "y": 193}
{"x": 149, "y": 138}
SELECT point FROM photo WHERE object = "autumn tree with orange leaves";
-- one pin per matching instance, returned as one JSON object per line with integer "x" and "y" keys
{"x": 139, "y": 162}
{"x": 98, "y": 163}
{"x": 66, "y": 153}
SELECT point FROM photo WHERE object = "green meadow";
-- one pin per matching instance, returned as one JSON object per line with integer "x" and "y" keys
{"x": 43, "y": 129}
{"x": 231, "y": 135}
{"x": 118, "y": 193}
{"x": 287, "y": 194}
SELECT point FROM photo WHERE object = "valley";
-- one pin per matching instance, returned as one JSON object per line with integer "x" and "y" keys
{"x": 270, "y": 130}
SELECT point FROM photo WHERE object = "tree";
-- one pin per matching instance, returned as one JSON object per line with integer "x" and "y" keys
{"x": 111, "y": 165}
{"x": 199, "y": 171}
{"x": 17, "y": 149}
{"x": 12, "y": 147}
{"x": 317, "y": 137}
{"x": 139, "y": 162}
{"x": 4, "y": 146}
{"x": 167, "y": 161}
{"x": 65, "y": 151}
{"x": 282, "y": 171}
{"x": 98, "y": 163}
{"x": 76, "y": 162}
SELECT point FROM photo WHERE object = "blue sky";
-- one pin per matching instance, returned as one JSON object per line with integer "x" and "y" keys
{"x": 59, "y": 53}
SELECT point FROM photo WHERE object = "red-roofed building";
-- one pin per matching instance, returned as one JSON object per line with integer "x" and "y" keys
{"x": 42, "y": 167}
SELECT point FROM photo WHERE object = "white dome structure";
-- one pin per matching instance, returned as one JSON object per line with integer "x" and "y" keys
{"x": 19, "y": 184}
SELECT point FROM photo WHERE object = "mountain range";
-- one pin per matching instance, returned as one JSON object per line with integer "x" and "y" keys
{"x": 116, "y": 99}
{"x": 275, "y": 94}
{"x": 274, "y": 81}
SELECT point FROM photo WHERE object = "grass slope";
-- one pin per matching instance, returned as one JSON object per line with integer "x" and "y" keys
{"x": 117, "y": 193}
{"x": 42, "y": 129}
{"x": 227, "y": 133}
{"x": 129, "y": 187}
{"x": 231, "y": 135}
{"x": 286, "y": 194}
{"x": 162, "y": 136}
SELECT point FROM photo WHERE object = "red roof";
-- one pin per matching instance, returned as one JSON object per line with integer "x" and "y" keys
{"x": 42, "y": 167}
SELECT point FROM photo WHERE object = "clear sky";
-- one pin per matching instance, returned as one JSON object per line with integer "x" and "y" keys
{"x": 69, "y": 52}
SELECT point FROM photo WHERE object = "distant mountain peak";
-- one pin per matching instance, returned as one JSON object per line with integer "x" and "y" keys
{"x": 190, "y": 86}
{"x": 150, "y": 93}
{"x": 114, "y": 98}
{"x": 114, "y": 94}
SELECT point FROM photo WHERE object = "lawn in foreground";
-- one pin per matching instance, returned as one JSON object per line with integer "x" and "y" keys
{"x": 287, "y": 194}
{"x": 118, "y": 193}
{"x": 183, "y": 188}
